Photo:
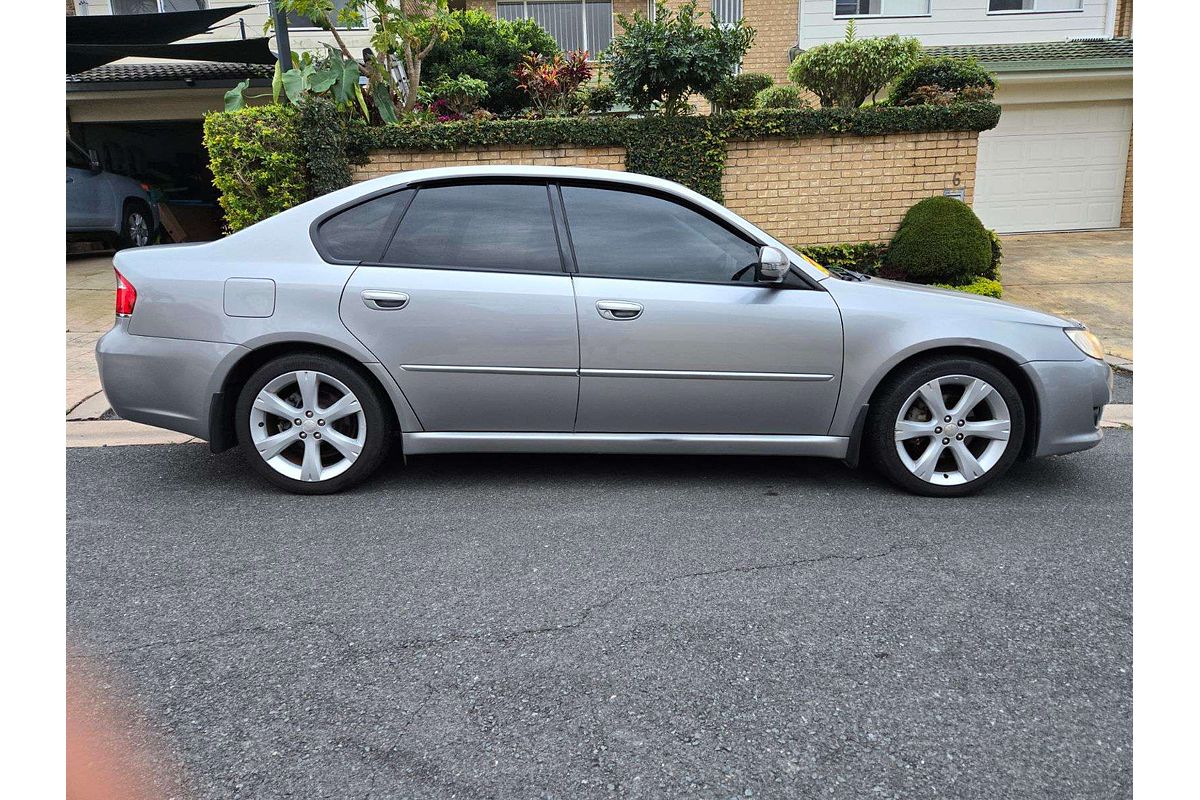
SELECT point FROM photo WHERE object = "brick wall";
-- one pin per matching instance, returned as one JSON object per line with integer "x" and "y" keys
{"x": 828, "y": 190}
{"x": 386, "y": 162}
{"x": 1127, "y": 197}
{"x": 1124, "y": 19}
{"x": 819, "y": 190}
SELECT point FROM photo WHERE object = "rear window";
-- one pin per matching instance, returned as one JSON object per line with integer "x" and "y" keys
{"x": 360, "y": 233}
{"x": 485, "y": 226}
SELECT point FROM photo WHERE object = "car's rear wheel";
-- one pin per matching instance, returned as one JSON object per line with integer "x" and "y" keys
{"x": 137, "y": 225}
{"x": 946, "y": 427}
{"x": 312, "y": 424}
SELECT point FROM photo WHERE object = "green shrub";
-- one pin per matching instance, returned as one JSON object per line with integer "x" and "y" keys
{"x": 737, "y": 92}
{"x": 780, "y": 97}
{"x": 846, "y": 73}
{"x": 657, "y": 63}
{"x": 864, "y": 257}
{"x": 462, "y": 94}
{"x": 323, "y": 134}
{"x": 489, "y": 49}
{"x": 940, "y": 240}
{"x": 984, "y": 286}
{"x": 600, "y": 98}
{"x": 997, "y": 256}
{"x": 947, "y": 75}
{"x": 258, "y": 162}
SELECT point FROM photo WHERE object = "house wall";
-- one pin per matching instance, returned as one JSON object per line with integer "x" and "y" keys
{"x": 775, "y": 24}
{"x": 957, "y": 22}
{"x": 817, "y": 190}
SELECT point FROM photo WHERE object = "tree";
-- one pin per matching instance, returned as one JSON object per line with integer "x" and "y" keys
{"x": 846, "y": 73}
{"x": 489, "y": 49}
{"x": 403, "y": 33}
{"x": 665, "y": 59}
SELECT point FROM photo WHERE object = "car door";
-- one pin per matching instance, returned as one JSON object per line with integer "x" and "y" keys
{"x": 676, "y": 336}
{"x": 85, "y": 191}
{"x": 467, "y": 305}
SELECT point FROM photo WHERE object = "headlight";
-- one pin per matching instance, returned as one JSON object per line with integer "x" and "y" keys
{"x": 1086, "y": 341}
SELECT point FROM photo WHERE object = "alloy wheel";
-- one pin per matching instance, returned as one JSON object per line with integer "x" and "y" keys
{"x": 952, "y": 430}
{"x": 308, "y": 425}
{"x": 137, "y": 229}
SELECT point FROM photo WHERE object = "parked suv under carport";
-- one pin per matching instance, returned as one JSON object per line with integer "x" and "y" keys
{"x": 103, "y": 205}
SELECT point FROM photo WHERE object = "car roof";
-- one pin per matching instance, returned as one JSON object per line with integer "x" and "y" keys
{"x": 524, "y": 171}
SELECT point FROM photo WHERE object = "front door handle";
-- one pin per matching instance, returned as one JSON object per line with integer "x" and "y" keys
{"x": 618, "y": 309}
{"x": 381, "y": 300}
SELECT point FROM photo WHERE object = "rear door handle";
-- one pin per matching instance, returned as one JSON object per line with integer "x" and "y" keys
{"x": 618, "y": 309}
{"x": 381, "y": 300}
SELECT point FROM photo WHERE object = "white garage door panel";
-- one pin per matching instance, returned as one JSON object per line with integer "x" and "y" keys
{"x": 1054, "y": 166}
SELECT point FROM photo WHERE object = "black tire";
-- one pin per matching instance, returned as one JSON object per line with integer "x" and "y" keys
{"x": 378, "y": 421}
{"x": 131, "y": 235}
{"x": 880, "y": 432}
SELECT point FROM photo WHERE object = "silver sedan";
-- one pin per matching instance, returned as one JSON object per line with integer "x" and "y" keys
{"x": 529, "y": 309}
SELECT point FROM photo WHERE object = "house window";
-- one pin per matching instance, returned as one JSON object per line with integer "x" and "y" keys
{"x": 301, "y": 22}
{"x": 881, "y": 8}
{"x": 156, "y": 6}
{"x": 1034, "y": 5}
{"x": 727, "y": 12}
{"x": 574, "y": 24}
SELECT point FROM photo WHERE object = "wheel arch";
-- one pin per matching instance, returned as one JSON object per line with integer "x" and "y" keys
{"x": 222, "y": 430}
{"x": 1006, "y": 364}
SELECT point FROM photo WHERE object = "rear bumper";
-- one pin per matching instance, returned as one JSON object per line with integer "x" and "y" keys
{"x": 163, "y": 382}
{"x": 1071, "y": 398}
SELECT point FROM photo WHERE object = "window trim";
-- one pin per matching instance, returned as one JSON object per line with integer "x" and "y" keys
{"x": 926, "y": 15}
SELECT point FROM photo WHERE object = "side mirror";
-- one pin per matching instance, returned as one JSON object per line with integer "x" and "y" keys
{"x": 94, "y": 159}
{"x": 773, "y": 265}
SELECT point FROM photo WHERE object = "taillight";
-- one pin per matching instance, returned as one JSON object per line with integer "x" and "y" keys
{"x": 126, "y": 296}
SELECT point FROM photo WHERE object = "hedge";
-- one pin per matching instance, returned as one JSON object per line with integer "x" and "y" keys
{"x": 984, "y": 286}
{"x": 687, "y": 149}
{"x": 258, "y": 161}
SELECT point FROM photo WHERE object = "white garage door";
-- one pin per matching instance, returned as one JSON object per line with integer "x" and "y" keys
{"x": 1054, "y": 167}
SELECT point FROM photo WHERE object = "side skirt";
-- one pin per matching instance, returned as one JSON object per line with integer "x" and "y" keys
{"x": 660, "y": 443}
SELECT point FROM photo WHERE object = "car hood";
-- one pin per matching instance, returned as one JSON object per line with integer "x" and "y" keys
{"x": 925, "y": 299}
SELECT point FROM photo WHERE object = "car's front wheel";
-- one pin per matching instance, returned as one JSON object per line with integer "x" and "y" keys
{"x": 946, "y": 427}
{"x": 312, "y": 424}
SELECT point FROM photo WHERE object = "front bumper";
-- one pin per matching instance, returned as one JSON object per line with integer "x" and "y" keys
{"x": 1071, "y": 397}
{"x": 163, "y": 382}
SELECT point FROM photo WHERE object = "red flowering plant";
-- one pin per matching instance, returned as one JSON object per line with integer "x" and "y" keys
{"x": 551, "y": 82}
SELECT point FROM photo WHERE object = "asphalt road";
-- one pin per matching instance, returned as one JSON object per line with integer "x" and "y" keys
{"x": 593, "y": 627}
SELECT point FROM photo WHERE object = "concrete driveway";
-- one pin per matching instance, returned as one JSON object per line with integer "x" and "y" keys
{"x": 1084, "y": 276}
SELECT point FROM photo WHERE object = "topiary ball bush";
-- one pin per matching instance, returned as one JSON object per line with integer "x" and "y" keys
{"x": 947, "y": 73}
{"x": 940, "y": 241}
{"x": 782, "y": 96}
{"x": 737, "y": 92}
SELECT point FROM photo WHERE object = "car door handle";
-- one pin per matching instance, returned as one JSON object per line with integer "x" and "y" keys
{"x": 618, "y": 309}
{"x": 381, "y": 300}
{"x": 70, "y": 179}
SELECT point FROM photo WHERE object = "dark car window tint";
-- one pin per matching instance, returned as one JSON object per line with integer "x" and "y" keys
{"x": 633, "y": 235}
{"x": 481, "y": 226}
{"x": 360, "y": 233}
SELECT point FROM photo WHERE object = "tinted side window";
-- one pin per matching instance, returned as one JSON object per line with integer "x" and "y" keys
{"x": 360, "y": 233}
{"x": 632, "y": 235}
{"x": 488, "y": 226}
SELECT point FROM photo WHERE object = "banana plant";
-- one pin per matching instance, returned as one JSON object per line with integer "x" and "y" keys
{"x": 337, "y": 78}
